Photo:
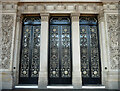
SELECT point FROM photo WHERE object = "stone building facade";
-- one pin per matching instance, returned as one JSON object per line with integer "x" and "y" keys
{"x": 12, "y": 14}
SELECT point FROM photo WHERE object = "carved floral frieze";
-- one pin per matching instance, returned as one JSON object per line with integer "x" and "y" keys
{"x": 68, "y": 7}
{"x": 113, "y": 32}
{"x": 110, "y": 6}
{"x": 9, "y": 7}
{"x": 7, "y": 31}
{"x": 37, "y": 7}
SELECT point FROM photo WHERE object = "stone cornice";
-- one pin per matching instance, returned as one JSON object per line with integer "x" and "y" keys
{"x": 110, "y": 0}
{"x": 110, "y": 7}
{"x": 59, "y": 7}
{"x": 10, "y": 1}
{"x": 9, "y": 7}
{"x": 69, "y": 0}
{"x": 59, "y": 0}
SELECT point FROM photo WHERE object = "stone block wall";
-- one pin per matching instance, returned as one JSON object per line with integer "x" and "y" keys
{"x": 10, "y": 29}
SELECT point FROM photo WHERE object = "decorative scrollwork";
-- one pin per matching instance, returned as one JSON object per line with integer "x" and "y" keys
{"x": 60, "y": 55}
{"x": 30, "y": 53}
{"x": 113, "y": 31}
{"x": 54, "y": 51}
{"x": 84, "y": 51}
{"x": 7, "y": 31}
{"x": 25, "y": 52}
{"x": 65, "y": 52}
{"x": 90, "y": 60}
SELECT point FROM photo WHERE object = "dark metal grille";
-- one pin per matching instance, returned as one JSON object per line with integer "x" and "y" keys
{"x": 90, "y": 55}
{"x": 30, "y": 50}
{"x": 54, "y": 51}
{"x": 60, "y": 50}
{"x": 65, "y": 52}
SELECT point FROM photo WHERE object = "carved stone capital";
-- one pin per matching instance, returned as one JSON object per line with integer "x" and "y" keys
{"x": 75, "y": 16}
{"x": 101, "y": 16}
{"x": 44, "y": 16}
{"x": 19, "y": 19}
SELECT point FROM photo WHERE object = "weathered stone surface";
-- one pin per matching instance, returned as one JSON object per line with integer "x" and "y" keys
{"x": 43, "y": 74}
{"x": 60, "y": 7}
{"x": 7, "y": 31}
{"x": 9, "y": 7}
{"x": 109, "y": 29}
{"x": 113, "y": 31}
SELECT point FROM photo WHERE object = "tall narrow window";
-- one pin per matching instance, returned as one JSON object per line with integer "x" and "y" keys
{"x": 30, "y": 50}
{"x": 89, "y": 49}
{"x": 60, "y": 70}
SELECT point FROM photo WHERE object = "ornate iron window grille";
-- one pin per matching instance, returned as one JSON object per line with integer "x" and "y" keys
{"x": 30, "y": 50}
{"x": 90, "y": 50}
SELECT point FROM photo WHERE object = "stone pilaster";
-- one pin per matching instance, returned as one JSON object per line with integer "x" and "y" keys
{"x": 17, "y": 44}
{"x": 43, "y": 74}
{"x": 8, "y": 15}
{"x": 103, "y": 48}
{"x": 76, "y": 63}
{"x": 112, "y": 33}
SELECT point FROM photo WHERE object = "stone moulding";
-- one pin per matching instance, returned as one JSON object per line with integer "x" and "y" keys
{"x": 67, "y": 0}
{"x": 9, "y": 7}
{"x": 111, "y": 7}
{"x": 59, "y": 7}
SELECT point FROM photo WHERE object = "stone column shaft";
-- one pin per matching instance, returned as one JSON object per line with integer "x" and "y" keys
{"x": 43, "y": 75}
{"x": 76, "y": 74}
